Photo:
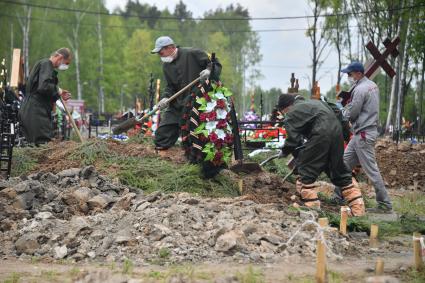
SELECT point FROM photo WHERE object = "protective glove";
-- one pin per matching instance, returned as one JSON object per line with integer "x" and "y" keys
{"x": 163, "y": 103}
{"x": 204, "y": 74}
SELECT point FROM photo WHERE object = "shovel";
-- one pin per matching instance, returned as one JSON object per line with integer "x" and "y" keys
{"x": 130, "y": 123}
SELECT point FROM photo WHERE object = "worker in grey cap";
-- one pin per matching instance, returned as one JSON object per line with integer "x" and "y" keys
{"x": 181, "y": 65}
{"x": 363, "y": 113}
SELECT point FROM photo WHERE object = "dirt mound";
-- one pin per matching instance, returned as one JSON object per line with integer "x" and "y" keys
{"x": 58, "y": 156}
{"x": 78, "y": 214}
{"x": 402, "y": 165}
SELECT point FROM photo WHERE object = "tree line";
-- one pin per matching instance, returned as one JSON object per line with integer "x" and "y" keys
{"x": 112, "y": 60}
{"x": 111, "y": 51}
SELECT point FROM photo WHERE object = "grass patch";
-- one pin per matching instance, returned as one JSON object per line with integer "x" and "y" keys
{"x": 146, "y": 173}
{"x": 23, "y": 160}
{"x": 414, "y": 276}
{"x": 49, "y": 275}
{"x": 407, "y": 224}
{"x": 251, "y": 275}
{"x": 91, "y": 151}
{"x": 12, "y": 278}
{"x": 127, "y": 266}
{"x": 412, "y": 204}
{"x": 74, "y": 272}
{"x": 164, "y": 253}
{"x": 153, "y": 174}
{"x": 156, "y": 275}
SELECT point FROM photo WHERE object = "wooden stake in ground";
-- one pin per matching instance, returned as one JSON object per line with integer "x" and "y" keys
{"x": 417, "y": 251}
{"x": 323, "y": 222}
{"x": 320, "y": 262}
{"x": 343, "y": 222}
{"x": 373, "y": 240}
{"x": 240, "y": 185}
{"x": 379, "y": 267}
{"x": 72, "y": 121}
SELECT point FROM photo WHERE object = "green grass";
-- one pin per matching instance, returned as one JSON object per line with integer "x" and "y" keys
{"x": 153, "y": 173}
{"x": 13, "y": 278}
{"x": 413, "y": 276}
{"x": 49, "y": 275}
{"x": 251, "y": 275}
{"x": 23, "y": 160}
{"x": 146, "y": 173}
{"x": 75, "y": 271}
{"x": 127, "y": 266}
{"x": 164, "y": 253}
{"x": 407, "y": 224}
{"x": 156, "y": 274}
{"x": 412, "y": 204}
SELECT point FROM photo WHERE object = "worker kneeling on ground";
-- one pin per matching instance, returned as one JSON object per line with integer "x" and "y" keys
{"x": 315, "y": 121}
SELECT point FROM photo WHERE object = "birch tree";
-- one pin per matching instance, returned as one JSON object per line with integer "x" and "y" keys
{"x": 74, "y": 44}
{"x": 100, "y": 79}
{"x": 25, "y": 24}
{"x": 318, "y": 40}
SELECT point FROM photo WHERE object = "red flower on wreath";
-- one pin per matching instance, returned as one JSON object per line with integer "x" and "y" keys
{"x": 228, "y": 139}
{"x": 212, "y": 116}
{"x": 213, "y": 137}
{"x": 218, "y": 143}
{"x": 203, "y": 117}
{"x": 222, "y": 124}
{"x": 217, "y": 158}
{"x": 221, "y": 103}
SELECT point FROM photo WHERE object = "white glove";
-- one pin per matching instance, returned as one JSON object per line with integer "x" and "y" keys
{"x": 205, "y": 74}
{"x": 163, "y": 103}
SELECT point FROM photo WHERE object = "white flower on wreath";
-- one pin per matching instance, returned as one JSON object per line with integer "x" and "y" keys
{"x": 211, "y": 105}
{"x": 211, "y": 126}
{"x": 220, "y": 134}
{"x": 221, "y": 114}
{"x": 219, "y": 95}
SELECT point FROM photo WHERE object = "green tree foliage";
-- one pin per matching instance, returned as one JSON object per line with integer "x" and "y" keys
{"x": 127, "y": 39}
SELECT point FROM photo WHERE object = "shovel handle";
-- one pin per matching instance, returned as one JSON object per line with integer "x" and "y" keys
{"x": 130, "y": 123}
{"x": 74, "y": 126}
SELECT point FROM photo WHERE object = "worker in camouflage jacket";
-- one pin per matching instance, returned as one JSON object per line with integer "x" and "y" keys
{"x": 41, "y": 94}
{"x": 311, "y": 125}
{"x": 181, "y": 65}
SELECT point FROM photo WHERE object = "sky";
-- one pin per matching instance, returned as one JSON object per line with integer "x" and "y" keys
{"x": 284, "y": 52}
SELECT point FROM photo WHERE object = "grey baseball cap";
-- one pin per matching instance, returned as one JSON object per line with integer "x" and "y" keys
{"x": 161, "y": 42}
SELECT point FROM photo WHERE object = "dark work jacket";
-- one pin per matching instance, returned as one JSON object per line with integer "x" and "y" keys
{"x": 41, "y": 94}
{"x": 183, "y": 70}
{"x": 310, "y": 119}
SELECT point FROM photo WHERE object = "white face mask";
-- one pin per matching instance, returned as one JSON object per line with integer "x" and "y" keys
{"x": 167, "y": 59}
{"x": 63, "y": 67}
{"x": 351, "y": 80}
{"x": 170, "y": 58}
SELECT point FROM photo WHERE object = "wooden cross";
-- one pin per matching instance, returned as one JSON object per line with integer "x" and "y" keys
{"x": 380, "y": 61}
